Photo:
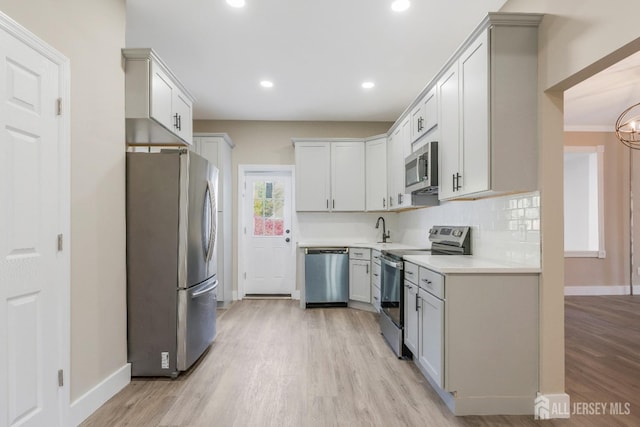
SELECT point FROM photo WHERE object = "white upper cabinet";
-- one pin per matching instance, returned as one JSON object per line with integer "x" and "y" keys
{"x": 399, "y": 146}
{"x": 417, "y": 121}
{"x": 488, "y": 111}
{"x": 313, "y": 176}
{"x": 347, "y": 176}
{"x": 424, "y": 116}
{"x": 430, "y": 111}
{"x": 376, "y": 173}
{"x": 330, "y": 175}
{"x": 448, "y": 146}
{"x": 158, "y": 109}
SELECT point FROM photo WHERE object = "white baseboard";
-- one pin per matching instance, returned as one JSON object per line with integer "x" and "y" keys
{"x": 600, "y": 290}
{"x": 89, "y": 402}
{"x": 547, "y": 406}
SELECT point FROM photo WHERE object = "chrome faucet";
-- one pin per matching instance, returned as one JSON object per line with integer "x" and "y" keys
{"x": 385, "y": 234}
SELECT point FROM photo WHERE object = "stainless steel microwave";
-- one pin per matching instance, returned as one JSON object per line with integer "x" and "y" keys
{"x": 421, "y": 170}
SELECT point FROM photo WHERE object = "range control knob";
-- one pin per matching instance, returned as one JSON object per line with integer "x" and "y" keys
{"x": 457, "y": 233}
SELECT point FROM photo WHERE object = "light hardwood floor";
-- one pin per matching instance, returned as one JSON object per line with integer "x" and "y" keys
{"x": 273, "y": 364}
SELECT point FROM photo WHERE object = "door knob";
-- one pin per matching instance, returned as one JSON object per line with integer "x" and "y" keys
{"x": 287, "y": 231}
{"x": 287, "y": 240}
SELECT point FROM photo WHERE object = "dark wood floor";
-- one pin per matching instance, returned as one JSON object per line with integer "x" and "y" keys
{"x": 274, "y": 364}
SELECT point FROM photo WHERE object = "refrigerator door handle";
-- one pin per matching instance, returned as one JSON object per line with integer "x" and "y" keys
{"x": 206, "y": 290}
{"x": 210, "y": 193}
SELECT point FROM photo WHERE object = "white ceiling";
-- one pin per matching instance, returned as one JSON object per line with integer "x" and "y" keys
{"x": 317, "y": 52}
{"x": 596, "y": 103}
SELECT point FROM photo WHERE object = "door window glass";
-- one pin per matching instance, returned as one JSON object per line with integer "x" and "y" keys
{"x": 268, "y": 208}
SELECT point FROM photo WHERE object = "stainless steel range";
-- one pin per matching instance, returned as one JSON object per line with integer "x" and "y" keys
{"x": 445, "y": 240}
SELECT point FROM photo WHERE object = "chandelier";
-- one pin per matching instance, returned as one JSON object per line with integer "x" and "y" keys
{"x": 628, "y": 127}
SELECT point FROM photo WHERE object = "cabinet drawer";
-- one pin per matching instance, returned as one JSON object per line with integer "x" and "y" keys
{"x": 411, "y": 272}
{"x": 375, "y": 298}
{"x": 432, "y": 282}
{"x": 360, "y": 253}
{"x": 375, "y": 256}
{"x": 375, "y": 278}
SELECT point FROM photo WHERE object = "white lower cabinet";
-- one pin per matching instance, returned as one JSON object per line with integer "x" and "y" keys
{"x": 431, "y": 332}
{"x": 376, "y": 270}
{"x": 411, "y": 317}
{"x": 477, "y": 339}
{"x": 411, "y": 308}
{"x": 360, "y": 275}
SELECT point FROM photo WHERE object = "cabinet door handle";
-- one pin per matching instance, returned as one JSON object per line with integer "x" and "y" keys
{"x": 384, "y": 202}
{"x": 327, "y": 203}
{"x": 400, "y": 197}
{"x": 410, "y": 273}
{"x": 417, "y": 302}
{"x": 457, "y": 181}
{"x": 333, "y": 204}
{"x": 367, "y": 268}
{"x": 179, "y": 122}
{"x": 390, "y": 201}
{"x": 175, "y": 120}
{"x": 453, "y": 182}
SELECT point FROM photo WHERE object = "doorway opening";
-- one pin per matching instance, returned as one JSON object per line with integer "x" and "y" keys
{"x": 266, "y": 247}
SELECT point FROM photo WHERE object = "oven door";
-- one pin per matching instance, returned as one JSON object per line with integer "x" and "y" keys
{"x": 391, "y": 290}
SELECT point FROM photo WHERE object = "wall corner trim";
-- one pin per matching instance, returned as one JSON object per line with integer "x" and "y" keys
{"x": 88, "y": 403}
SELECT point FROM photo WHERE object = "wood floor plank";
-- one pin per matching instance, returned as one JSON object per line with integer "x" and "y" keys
{"x": 274, "y": 364}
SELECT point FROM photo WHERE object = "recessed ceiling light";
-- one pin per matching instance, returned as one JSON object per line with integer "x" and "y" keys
{"x": 236, "y": 3}
{"x": 368, "y": 85}
{"x": 266, "y": 83}
{"x": 399, "y": 5}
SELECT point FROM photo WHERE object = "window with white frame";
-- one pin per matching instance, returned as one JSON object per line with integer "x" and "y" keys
{"x": 583, "y": 202}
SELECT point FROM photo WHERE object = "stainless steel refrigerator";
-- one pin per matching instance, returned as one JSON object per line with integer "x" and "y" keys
{"x": 171, "y": 260}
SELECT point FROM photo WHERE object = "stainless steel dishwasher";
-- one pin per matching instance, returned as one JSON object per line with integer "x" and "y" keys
{"x": 326, "y": 277}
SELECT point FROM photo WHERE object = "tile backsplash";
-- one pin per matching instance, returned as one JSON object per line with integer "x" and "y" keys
{"x": 502, "y": 228}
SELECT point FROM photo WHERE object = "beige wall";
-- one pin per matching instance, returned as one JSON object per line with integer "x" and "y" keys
{"x": 269, "y": 142}
{"x": 90, "y": 34}
{"x": 577, "y": 38}
{"x": 614, "y": 269}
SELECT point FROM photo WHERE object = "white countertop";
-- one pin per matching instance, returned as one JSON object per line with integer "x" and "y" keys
{"x": 445, "y": 264}
{"x": 448, "y": 264}
{"x": 333, "y": 243}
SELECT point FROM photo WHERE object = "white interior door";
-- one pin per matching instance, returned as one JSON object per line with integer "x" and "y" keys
{"x": 269, "y": 259}
{"x": 32, "y": 271}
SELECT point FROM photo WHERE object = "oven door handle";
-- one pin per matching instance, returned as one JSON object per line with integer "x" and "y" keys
{"x": 395, "y": 264}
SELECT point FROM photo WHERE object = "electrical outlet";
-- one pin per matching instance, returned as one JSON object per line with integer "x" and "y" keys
{"x": 165, "y": 359}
